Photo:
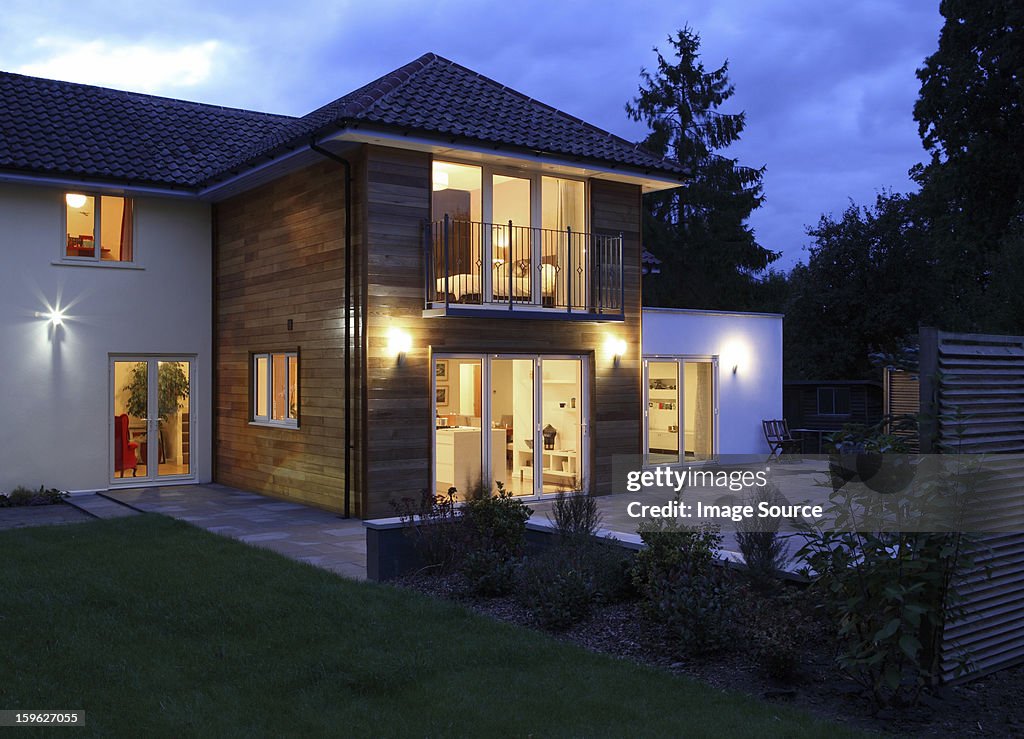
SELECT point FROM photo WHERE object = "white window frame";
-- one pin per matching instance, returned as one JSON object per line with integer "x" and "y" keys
{"x": 97, "y": 257}
{"x": 268, "y": 391}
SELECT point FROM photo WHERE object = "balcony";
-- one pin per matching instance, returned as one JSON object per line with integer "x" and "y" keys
{"x": 521, "y": 271}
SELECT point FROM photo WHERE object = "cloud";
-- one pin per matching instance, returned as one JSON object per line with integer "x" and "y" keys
{"x": 139, "y": 67}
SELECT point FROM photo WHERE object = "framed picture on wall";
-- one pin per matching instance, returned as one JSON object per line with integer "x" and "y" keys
{"x": 441, "y": 395}
{"x": 441, "y": 369}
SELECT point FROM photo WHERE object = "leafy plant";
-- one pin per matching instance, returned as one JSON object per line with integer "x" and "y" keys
{"x": 556, "y": 589}
{"x": 575, "y": 516}
{"x": 700, "y": 606}
{"x": 891, "y": 591}
{"x": 494, "y": 529}
{"x": 764, "y": 552}
{"x": 172, "y": 389}
{"x": 671, "y": 546}
{"x": 23, "y": 496}
{"x": 432, "y": 523}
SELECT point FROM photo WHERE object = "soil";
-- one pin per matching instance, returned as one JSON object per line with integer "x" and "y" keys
{"x": 988, "y": 706}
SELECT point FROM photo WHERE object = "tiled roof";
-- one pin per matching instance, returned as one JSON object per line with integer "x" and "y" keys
{"x": 433, "y": 95}
{"x": 66, "y": 129}
{"x": 71, "y": 130}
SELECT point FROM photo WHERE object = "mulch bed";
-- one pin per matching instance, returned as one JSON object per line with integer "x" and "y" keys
{"x": 990, "y": 706}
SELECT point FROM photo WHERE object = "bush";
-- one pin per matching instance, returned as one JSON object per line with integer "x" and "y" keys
{"x": 432, "y": 523}
{"x": 494, "y": 529}
{"x": 23, "y": 496}
{"x": 699, "y": 606}
{"x": 763, "y": 550}
{"x": 672, "y": 546}
{"x": 557, "y": 591}
{"x": 575, "y": 516}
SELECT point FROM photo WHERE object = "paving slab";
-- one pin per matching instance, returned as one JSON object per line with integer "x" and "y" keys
{"x": 20, "y": 517}
{"x": 294, "y": 530}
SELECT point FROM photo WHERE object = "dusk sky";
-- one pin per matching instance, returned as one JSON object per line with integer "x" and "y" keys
{"x": 828, "y": 86}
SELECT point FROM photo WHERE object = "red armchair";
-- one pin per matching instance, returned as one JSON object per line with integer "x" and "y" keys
{"x": 124, "y": 450}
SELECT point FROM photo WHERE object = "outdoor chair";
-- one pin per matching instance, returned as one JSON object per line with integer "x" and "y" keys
{"x": 780, "y": 440}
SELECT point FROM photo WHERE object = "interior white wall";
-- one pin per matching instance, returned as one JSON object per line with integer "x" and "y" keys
{"x": 55, "y": 402}
{"x": 750, "y": 341}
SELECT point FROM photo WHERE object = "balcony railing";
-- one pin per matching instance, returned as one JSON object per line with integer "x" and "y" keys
{"x": 522, "y": 268}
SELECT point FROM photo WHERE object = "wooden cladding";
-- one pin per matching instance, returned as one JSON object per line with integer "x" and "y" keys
{"x": 280, "y": 259}
{"x": 280, "y": 256}
{"x": 399, "y": 408}
{"x": 972, "y": 393}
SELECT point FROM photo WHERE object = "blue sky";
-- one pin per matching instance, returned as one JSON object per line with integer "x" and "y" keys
{"x": 828, "y": 86}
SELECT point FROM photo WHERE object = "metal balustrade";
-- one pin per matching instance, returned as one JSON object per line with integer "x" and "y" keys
{"x": 522, "y": 268}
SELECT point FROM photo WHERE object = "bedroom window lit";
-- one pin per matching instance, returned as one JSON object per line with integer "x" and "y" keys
{"x": 98, "y": 227}
{"x": 275, "y": 380}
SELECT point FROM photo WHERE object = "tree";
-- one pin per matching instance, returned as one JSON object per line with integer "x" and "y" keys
{"x": 867, "y": 284}
{"x": 970, "y": 116}
{"x": 709, "y": 256}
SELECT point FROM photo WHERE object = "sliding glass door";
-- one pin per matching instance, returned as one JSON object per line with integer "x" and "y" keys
{"x": 515, "y": 419}
{"x": 681, "y": 413}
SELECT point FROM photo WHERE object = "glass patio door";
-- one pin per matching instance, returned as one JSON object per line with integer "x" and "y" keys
{"x": 681, "y": 416}
{"x": 151, "y": 420}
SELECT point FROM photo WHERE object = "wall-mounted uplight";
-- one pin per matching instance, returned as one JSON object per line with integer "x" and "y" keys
{"x": 399, "y": 344}
{"x": 55, "y": 316}
{"x": 616, "y": 347}
{"x": 735, "y": 355}
{"x": 75, "y": 199}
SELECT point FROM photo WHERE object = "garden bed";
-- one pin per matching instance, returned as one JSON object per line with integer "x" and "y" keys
{"x": 989, "y": 706}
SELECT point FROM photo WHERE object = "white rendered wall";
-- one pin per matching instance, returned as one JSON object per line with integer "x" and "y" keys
{"x": 55, "y": 407}
{"x": 752, "y": 342}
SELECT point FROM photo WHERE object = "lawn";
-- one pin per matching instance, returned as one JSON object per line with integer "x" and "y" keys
{"x": 155, "y": 627}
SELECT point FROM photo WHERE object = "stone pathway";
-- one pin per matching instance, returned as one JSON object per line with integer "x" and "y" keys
{"x": 98, "y": 506}
{"x": 43, "y": 515}
{"x": 297, "y": 531}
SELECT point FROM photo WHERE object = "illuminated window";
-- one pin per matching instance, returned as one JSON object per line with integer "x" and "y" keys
{"x": 275, "y": 395}
{"x": 98, "y": 227}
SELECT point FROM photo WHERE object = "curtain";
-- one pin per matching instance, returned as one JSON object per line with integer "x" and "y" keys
{"x": 127, "y": 242}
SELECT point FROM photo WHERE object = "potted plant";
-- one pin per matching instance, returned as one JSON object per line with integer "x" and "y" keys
{"x": 171, "y": 390}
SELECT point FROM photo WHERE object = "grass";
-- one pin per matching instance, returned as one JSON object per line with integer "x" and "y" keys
{"x": 158, "y": 628}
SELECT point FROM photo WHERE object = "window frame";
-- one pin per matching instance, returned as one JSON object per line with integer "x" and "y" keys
{"x": 834, "y": 392}
{"x": 97, "y": 225}
{"x": 254, "y": 389}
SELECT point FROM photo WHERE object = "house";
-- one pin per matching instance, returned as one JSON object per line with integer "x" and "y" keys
{"x": 430, "y": 281}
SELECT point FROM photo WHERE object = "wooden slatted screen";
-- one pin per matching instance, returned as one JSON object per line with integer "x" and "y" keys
{"x": 972, "y": 387}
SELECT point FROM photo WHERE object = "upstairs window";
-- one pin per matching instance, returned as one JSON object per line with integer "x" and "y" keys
{"x": 833, "y": 401}
{"x": 275, "y": 380}
{"x": 98, "y": 227}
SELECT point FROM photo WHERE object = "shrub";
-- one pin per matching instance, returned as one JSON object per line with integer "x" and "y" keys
{"x": 672, "y": 546}
{"x": 557, "y": 591}
{"x": 699, "y": 606}
{"x": 764, "y": 551}
{"x": 575, "y": 516}
{"x": 23, "y": 496}
{"x": 433, "y": 524}
{"x": 494, "y": 528}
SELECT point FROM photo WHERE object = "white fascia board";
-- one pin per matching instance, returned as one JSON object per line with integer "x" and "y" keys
{"x": 496, "y": 154}
{"x": 74, "y": 184}
{"x": 708, "y": 312}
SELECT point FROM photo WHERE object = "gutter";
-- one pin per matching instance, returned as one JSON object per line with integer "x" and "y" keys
{"x": 348, "y": 318}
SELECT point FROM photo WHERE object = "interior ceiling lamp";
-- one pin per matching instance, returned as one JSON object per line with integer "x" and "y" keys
{"x": 75, "y": 199}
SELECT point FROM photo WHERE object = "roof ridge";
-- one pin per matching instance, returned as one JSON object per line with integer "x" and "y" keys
{"x": 147, "y": 96}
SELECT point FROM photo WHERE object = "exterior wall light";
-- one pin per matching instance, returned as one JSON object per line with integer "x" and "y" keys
{"x": 736, "y": 355}
{"x": 399, "y": 344}
{"x": 55, "y": 316}
{"x": 616, "y": 347}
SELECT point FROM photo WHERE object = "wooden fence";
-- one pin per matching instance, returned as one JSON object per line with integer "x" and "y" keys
{"x": 972, "y": 398}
